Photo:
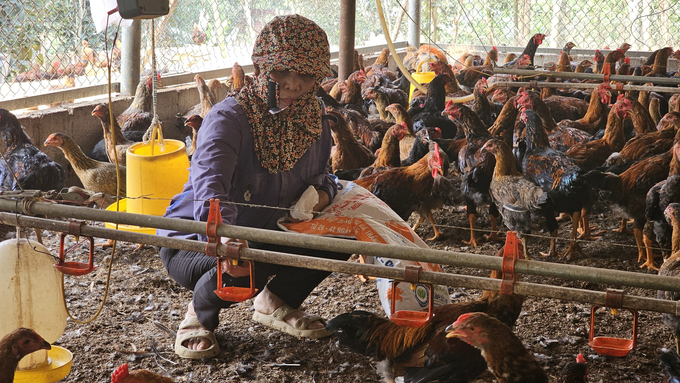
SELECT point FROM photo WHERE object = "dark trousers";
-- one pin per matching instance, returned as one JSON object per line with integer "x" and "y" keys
{"x": 198, "y": 272}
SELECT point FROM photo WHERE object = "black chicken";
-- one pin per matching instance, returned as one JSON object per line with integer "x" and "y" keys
{"x": 430, "y": 116}
{"x": 475, "y": 167}
{"x": 529, "y": 50}
{"x": 557, "y": 174}
{"x": 24, "y": 165}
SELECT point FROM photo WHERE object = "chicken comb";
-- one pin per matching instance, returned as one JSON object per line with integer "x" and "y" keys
{"x": 494, "y": 48}
{"x": 580, "y": 359}
{"x": 120, "y": 373}
{"x": 626, "y": 60}
{"x": 463, "y": 318}
{"x": 449, "y": 104}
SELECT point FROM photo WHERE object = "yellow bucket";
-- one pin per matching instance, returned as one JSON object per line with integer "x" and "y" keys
{"x": 421, "y": 77}
{"x": 156, "y": 174}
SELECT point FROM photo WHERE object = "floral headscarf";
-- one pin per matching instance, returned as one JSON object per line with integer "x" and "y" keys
{"x": 296, "y": 44}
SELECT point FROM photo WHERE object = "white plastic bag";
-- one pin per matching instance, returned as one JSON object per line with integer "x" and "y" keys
{"x": 356, "y": 213}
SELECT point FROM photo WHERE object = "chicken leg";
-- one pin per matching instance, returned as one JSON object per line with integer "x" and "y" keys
{"x": 494, "y": 230}
{"x": 552, "y": 251}
{"x": 586, "y": 228}
{"x": 437, "y": 233}
{"x": 623, "y": 229}
{"x": 472, "y": 218}
{"x": 650, "y": 253}
{"x": 573, "y": 246}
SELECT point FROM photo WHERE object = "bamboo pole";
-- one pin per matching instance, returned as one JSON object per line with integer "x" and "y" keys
{"x": 545, "y": 269}
{"x": 523, "y": 288}
{"x": 588, "y": 76}
{"x": 581, "y": 85}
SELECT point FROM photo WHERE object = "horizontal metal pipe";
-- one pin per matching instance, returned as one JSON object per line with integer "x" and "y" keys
{"x": 588, "y": 76}
{"x": 582, "y": 85}
{"x": 294, "y": 260}
{"x": 545, "y": 269}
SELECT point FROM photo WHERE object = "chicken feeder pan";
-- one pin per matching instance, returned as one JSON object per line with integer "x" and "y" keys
{"x": 58, "y": 367}
{"x": 421, "y": 77}
{"x": 612, "y": 346}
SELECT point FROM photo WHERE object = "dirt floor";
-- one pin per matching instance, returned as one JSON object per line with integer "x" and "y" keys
{"x": 143, "y": 299}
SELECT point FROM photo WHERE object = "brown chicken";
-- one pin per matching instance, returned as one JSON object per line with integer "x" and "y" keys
{"x": 642, "y": 120}
{"x": 348, "y": 153}
{"x": 506, "y": 356}
{"x": 101, "y": 111}
{"x": 194, "y": 122}
{"x": 198, "y": 36}
{"x": 629, "y": 191}
{"x": 206, "y": 100}
{"x": 405, "y": 189}
{"x": 97, "y": 176}
{"x": 594, "y": 153}
{"x": 123, "y": 375}
{"x": 671, "y": 268}
{"x": 470, "y": 76}
{"x": 138, "y": 116}
{"x": 596, "y": 116}
{"x": 237, "y": 79}
{"x": 24, "y": 166}
{"x": 582, "y": 66}
{"x": 599, "y": 61}
{"x": 381, "y": 102}
{"x": 660, "y": 62}
{"x": 15, "y": 346}
{"x": 648, "y": 144}
{"x": 610, "y": 60}
{"x": 408, "y": 350}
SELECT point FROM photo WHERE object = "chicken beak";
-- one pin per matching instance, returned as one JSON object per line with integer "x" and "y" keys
{"x": 46, "y": 346}
{"x": 452, "y": 332}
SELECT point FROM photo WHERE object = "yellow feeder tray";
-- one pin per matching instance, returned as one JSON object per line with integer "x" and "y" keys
{"x": 58, "y": 368}
{"x": 123, "y": 209}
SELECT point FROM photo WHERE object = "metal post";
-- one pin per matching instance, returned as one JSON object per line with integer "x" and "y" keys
{"x": 414, "y": 24}
{"x": 347, "y": 24}
{"x": 130, "y": 58}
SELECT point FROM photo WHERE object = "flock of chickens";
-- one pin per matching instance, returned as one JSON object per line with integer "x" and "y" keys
{"x": 529, "y": 156}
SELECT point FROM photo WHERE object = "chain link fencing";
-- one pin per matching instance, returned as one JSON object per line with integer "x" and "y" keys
{"x": 48, "y": 45}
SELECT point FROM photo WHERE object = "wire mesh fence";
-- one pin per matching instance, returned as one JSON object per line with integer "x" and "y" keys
{"x": 47, "y": 45}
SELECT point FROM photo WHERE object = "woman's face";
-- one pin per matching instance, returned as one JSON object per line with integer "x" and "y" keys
{"x": 292, "y": 85}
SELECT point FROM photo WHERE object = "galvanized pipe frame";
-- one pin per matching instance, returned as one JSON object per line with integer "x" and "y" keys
{"x": 522, "y": 288}
{"x": 31, "y": 206}
{"x": 581, "y": 85}
{"x": 588, "y": 76}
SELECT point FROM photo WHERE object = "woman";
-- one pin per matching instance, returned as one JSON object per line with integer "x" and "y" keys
{"x": 261, "y": 147}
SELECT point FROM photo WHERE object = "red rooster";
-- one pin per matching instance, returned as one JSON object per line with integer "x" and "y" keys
{"x": 408, "y": 189}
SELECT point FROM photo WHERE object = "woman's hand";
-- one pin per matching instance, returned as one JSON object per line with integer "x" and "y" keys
{"x": 228, "y": 267}
{"x": 324, "y": 200}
